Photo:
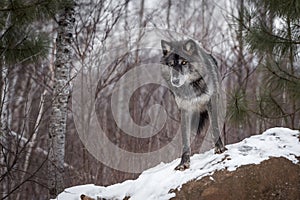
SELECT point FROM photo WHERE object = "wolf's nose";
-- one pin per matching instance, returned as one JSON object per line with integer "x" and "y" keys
{"x": 175, "y": 82}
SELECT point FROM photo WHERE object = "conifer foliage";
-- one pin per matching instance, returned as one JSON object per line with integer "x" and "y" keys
{"x": 271, "y": 31}
{"x": 22, "y": 37}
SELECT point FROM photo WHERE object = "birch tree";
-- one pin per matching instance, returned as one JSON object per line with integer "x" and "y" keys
{"x": 61, "y": 90}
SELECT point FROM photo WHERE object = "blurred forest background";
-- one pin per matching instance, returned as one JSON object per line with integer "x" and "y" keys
{"x": 255, "y": 42}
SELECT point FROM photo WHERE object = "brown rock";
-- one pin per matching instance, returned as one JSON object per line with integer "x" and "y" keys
{"x": 273, "y": 179}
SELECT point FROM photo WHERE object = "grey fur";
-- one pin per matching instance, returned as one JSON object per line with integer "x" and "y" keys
{"x": 192, "y": 75}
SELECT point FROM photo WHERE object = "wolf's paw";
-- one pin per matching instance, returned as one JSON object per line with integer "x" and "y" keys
{"x": 84, "y": 197}
{"x": 183, "y": 166}
{"x": 184, "y": 163}
{"x": 219, "y": 150}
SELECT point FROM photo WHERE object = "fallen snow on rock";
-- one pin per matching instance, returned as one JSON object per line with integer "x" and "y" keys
{"x": 157, "y": 182}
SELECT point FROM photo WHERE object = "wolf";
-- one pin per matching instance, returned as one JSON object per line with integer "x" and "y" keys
{"x": 192, "y": 75}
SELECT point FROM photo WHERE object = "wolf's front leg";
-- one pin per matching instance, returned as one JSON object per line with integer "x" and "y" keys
{"x": 186, "y": 119}
{"x": 213, "y": 110}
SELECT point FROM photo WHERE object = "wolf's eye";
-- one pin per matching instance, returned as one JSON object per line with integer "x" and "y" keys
{"x": 184, "y": 62}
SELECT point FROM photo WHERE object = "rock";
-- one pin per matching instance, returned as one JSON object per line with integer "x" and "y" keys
{"x": 276, "y": 179}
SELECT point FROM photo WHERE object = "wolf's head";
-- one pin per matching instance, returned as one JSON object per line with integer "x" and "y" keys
{"x": 178, "y": 56}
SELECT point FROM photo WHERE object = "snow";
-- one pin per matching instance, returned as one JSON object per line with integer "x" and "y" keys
{"x": 157, "y": 182}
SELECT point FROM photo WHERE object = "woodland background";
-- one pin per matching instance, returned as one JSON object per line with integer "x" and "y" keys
{"x": 255, "y": 42}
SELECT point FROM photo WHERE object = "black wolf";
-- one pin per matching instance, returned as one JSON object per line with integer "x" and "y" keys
{"x": 192, "y": 75}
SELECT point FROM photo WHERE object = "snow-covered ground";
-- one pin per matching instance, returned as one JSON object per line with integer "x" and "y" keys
{"x": 155, "y": 183}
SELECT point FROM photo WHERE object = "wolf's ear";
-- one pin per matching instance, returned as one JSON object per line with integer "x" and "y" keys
{"x": 166, "y": 47}
{"x": 190, "y": 46}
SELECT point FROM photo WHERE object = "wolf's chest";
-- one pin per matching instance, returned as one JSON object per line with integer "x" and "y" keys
{"x": 198, "y": 103}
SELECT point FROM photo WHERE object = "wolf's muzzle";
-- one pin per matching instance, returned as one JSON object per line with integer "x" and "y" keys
{"x": 177, "y": 79}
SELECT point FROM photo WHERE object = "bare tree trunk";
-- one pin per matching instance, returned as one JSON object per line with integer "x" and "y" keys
{"x": 61, "y": 91}
{"x": 31, "y": 144}
{"x": 5, "y": 143}
{"x": 140, "y": 32}
{"x": 168, "y": 13}
{"x": 240, "y": 60}
{"x": 4, "y": 123}
{"x": 292, "y": 71}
